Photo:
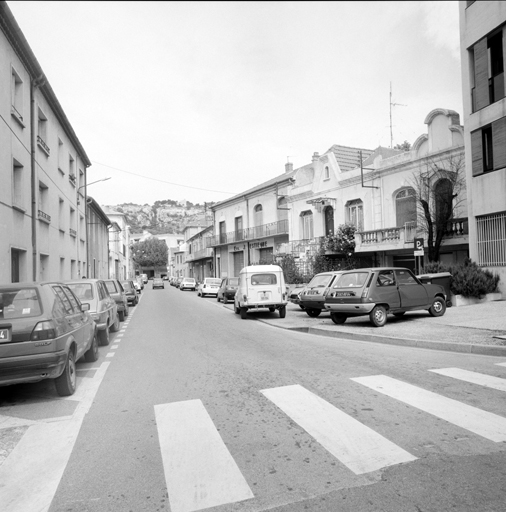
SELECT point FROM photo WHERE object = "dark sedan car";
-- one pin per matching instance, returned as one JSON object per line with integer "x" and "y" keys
{"x": 130, "y": 292}
{"x": 379, "y": 291}
{"x": 116, "y": 291}
{"x": 44, "y": 330}
{"x": 227, "y": 289}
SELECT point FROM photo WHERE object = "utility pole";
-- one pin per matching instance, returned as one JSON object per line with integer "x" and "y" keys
{"x": 392, "y": 105}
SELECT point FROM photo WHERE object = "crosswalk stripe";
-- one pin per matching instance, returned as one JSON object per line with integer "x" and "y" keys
{"x": 500, "y": 364}
{"x": 358, "y": 447}
{"x": 199, "y": 470}
{"x": 475, "y": 378}
{"x": 485, "y": 424}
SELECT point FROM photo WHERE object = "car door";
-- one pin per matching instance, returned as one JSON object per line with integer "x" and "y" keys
{"x": 86, "y": 324}
{"x": 72, "y": 315}
{"x": 386, "y": 290}
{"x": 412, "y": 293}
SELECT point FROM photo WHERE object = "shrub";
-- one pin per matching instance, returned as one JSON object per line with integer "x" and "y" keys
{"x": 290, "y": 270}
{"x": 468, "y": 279}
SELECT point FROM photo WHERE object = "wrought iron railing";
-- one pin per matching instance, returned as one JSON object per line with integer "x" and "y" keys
{"x": 279, "y": 227}
{"x": 44, "y": 216}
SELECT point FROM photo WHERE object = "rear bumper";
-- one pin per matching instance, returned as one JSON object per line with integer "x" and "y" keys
{"x": 33, "y": 368}
{"x": 350, "y": 309}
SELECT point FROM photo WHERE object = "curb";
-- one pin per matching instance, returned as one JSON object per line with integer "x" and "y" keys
{"x": 484, "y": 350}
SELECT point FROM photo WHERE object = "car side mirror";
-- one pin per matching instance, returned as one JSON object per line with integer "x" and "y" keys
{"x": 85, "y": 307}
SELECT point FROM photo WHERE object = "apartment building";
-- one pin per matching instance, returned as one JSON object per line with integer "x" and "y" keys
{"x": 120, "y": 265}
{"x": 43, "y": 170}
{"x": 199, "y": 257}
{"x": 483, "y": 50}
{"x": 98, "y": 224}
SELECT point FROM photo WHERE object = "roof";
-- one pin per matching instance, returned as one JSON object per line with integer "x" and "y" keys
{"x": 349, "y": 158}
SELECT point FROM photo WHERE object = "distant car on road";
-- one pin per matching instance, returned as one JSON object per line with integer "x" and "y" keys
{"x": 188, "y": 283}
{"x": 158, "y": 283}
{"x": 209, "y": 286}
{"x": 130, "y": 292}
{"x": 378, "y": 292}
{"x": 228, "y": 287}
{"x": 44, "y": 331}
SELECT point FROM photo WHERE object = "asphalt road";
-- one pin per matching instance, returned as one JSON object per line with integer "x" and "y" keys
{"x": 192, "y": 408}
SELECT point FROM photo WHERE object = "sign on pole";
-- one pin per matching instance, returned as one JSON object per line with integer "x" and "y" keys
{"x": 419, "y": 247}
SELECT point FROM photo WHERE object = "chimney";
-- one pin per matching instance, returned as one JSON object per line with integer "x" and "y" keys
{"x": 316, "y": 156}
{"x": 288, "y": 167}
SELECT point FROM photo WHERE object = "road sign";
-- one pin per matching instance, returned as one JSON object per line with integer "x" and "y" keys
{"x": 419, "y": 247}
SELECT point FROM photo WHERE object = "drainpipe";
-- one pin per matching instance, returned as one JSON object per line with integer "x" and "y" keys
{"x": 34, "y": 84}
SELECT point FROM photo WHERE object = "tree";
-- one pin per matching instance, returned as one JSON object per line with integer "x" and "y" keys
{"x": 439, "y": 185}
{"x": 405, "y": 146}
{"x": 150, "y": 253}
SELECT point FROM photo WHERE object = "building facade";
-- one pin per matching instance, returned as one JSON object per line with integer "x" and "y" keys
{"x": 43, "y": 169}
{"x": 119, "y": 246}
{"x": 483, "y": 50}
{"x": 98, "y": 225}
{"x": 199, "y": 257}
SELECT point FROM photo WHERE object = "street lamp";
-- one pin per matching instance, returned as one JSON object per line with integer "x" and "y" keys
{"x": 87, "y": 185}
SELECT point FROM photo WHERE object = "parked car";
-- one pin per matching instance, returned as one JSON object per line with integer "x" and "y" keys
{"x": 117, "y": 292}
{"x": 378, "y": 292}
{"x": 188, "y": 283}
{"x": 144, "y": 278}
{"x": 178, "y": 282}
{"x": 294, "y": 296}
{"x": 103, "y": 308}
{"x": 44, "y": 331}
{"x": 209, "y": 286}
{"x": 227, "y": 289}
{"x": 137, "y": 286}
{"x": 130, "y": 292}
{"x": 261, "y": 286}
{"x": 140, "y": 281}
{"x": 312, "y": 297}
{"x": 158, "y": 283}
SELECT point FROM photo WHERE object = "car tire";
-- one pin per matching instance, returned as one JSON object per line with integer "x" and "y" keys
{"x": 127, "y": 311}
{"x": 313, "y": 313}
{"x": 217, "y": 298}
{"x": 244, "y": 312}
{"x": 104, "y": 337}
{"x": 66, "y": 383}
{"x": 338, "y": 318}
{"x": 272, "y": 310}
{"x": 282, "y": 311}
{"x": 301, "y": 307}
{"x": 121, "y": 315}
{"x": 116, "y": 325}
{"x": 378, "y": 316}
{"x": 438, "y": 307}
{"x": 91, "y": 355}
{"x": 236, "y": 309}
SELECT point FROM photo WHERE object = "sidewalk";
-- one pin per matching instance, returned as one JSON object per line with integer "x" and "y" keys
{"x": 477, "y": 329}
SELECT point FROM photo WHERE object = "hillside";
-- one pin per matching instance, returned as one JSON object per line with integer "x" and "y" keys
{"x": 166, "y": 216}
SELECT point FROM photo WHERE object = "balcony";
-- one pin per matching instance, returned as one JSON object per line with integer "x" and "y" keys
{"x": 72, "y": 232}
{"x": 457, "y": 228}
{"x": 43, "y": 145}
{"x": 279, "y": 227}
{"x": 43, "y": 216}
{"x": 200, "y": 255}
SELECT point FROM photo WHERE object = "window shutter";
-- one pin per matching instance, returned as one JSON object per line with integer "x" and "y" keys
{"x": 477, "y": 153}
{"x": 499, "y": 141}
{"x": 481, "y": 74}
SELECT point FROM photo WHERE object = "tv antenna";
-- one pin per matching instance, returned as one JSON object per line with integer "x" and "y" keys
{"x": 393, "y": 105}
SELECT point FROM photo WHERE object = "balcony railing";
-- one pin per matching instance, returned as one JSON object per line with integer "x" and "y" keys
{"x": 43, "y": 145}
{"x": 200, "y": 254}
{"x": 457, "y": 227}
{"x": 72, "y": 232}
{"x": 44, "y": 216}
{"x": 279, "y": 227}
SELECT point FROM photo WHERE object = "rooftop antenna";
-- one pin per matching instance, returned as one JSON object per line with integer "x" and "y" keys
{"x": 393, "y": 105}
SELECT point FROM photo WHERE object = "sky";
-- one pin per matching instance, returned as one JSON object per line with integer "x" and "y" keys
{"x": 200, "y": 101}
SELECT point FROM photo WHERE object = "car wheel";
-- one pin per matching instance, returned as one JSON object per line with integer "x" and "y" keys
{"x": 217, "y": 298}
{"x": 313, "y": 313}
{"x": 244, "y": 312}
{"x": 136, "y": 301}
{"x": 301, "y": 306}
{"x": 338, "y": 318}
{"x": 236, "y": 309}
{"x": 104, "y": 337}
{"x": 438, "y": 307}
{"x": 66, "y": 382}
{"x": 282, "y": 312}
{"x": 116, "y": 325}
{"x": 91, "y": 355}
{"x": 272, "y": 310}
{"x": 121, "y": 315}
{"x": 127, "y": 311}
{"x": 378, "y": 316}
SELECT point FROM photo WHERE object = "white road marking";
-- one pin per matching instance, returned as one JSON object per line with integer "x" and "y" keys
{"x": 485, "y": 424}
{"x": 39, "y": 459}
{"x": 114, "y": 346}
{"x": 358, "y": 447}
{"x": 199, "y": 470}
{"x": 110, "y": 354}
{"x": 475, "y": 378}
{"x": 500, "y": 364}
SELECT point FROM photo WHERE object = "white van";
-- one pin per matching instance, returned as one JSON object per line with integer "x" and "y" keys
{"x": 261, "y": 286}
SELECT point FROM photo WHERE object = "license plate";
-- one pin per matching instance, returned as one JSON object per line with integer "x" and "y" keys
{"x": 264, "y": 296}
{"x": 5, "y": 335}
{"x": 344, "y": 294}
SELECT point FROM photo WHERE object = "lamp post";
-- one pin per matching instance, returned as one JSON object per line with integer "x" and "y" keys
{"x": 85, "y": 222}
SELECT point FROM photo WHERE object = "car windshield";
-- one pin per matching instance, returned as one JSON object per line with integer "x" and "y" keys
{"x": 352, "y": 280}
{"x": 213, "y": 281}
{"x": 189, "y": 280}
{"x": 83, "y": 291}
{"x": 320, "y": 281}
{"x": 111, "y": 286}
{"x": 263, "y": 279}
{"x": 127, "y": 286}
{"x": 16, "y": 303}
{"x": 233, "y": 281}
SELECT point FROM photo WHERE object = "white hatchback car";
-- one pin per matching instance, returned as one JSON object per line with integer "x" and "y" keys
{"x": 210, "y": 286}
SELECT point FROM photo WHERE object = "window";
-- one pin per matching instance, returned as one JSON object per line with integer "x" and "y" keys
{"x": 329, "y": 220}
{"x": 72, "y": 222}
{"x": 263, "y": 279}
{"x": 43, "y": 202}
{"x": 18, "y": 261}
{"x": 44, "y": 267}
{"x": 326, "y": 175}
{"x": 223, "y": 233}
{"x": 42, "y": 131}
{"x": 282, "y": 208}
{"x": 405, "y": 207}
{"x": 258, "y": 213}
{"x": 17, "y": 97}
{"x": 61, "y": 214}
{"x": 306, "y": 225}
{"x": 239, "y": 235}
{"x": 491, "y": 239}
{"x": 81, "y": 182}
{"x": 355, "y": 214}
{"x": 60, "y": 156}
{"x": 488, "y": 147}
{"x": 72, "y": 171}
{"x": 443, "y": 198}
{"x": 17, "y": 184}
